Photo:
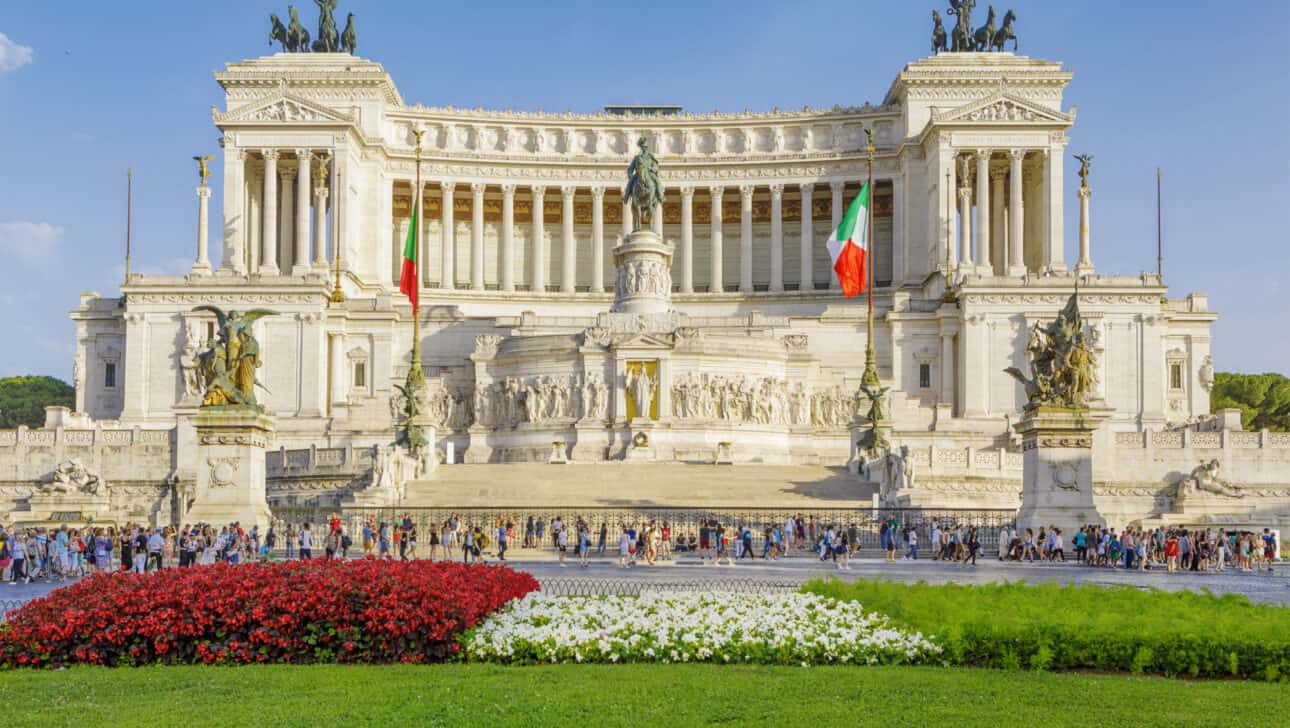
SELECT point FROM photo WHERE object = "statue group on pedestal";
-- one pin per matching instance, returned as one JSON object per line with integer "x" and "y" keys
{"x": 226, "y": 369}
{"x": 963, "y": 39}
{"x": 1061, "y": 362}
{"x": 1204, "y": 478}
{"x": 513, "y": 400}
{"x": 72, "y": 477}
{"x": 295, "y": 38}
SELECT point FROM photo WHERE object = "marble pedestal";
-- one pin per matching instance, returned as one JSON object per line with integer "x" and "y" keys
{"x": 72, "y": 508}
{"x": 1057, "y": 469}
{"x": 591, "y": 441}
{"x": 644, "y": 282}
{"x": 641, "y": 446}
{"x": 479, "y": 451}
{"x": 230, "y": 467}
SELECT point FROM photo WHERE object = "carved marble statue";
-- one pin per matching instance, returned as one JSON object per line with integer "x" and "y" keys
{"x": 1205, "y": 478}
{"x": 644, "y": 189}
{"x": 642, "y": 385}
{"x": 70, "y": 476}
{"x": 188, "y": 367}
{"x": 1206, "y": 373}
{"x": 227, "y": 367}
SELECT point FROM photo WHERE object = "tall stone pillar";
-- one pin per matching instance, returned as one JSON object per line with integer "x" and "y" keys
{"x": 998, "y": 225}
{"x": 506, "y": 256}
{"x": 1057, "y": 468}
{"x": 568, "y": 249}
{"x": 477, "y": 235}
{"x": 745, "y": 238}
{"x": 805, "y": 252}
{"x": 202, "y": 265}
{"x": 716, "y": 283}
{"x": 287, "y": 217}
{"x": 836, "y": 188}
{"x": 538, "y": 278}
{"x": 1016, "y": 214}
{"x": 336, "y": 357}
{"x": 1054, "y": 234}
{"x": 777, "y": 238}
{"x": 269, "y": 237}
{"x": 320, "y": 227}
{"x": 1085, "y": 264}
{"x": 300, "y": 261}
{"x": 965, "y": 226}
{"x": 597, "y": 239}
{"x": 234, "y": 210}
{"x": 687, "y": 239}
{"x": 448, "y": 247}
{"x": 947, "y": 369}
{"x": 983, "y": 212}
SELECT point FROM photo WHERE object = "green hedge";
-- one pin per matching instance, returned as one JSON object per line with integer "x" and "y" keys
{"x": 1053, "y": 627}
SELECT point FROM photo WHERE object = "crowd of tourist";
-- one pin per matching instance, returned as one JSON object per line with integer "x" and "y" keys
{"x": 66, "y": 552}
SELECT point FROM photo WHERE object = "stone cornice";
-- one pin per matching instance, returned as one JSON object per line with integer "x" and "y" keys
{"x": 711, "y": 119}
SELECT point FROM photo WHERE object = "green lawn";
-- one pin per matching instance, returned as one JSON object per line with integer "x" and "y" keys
{"x": 1080, "y": 627}
{"x": 594, "y": 695}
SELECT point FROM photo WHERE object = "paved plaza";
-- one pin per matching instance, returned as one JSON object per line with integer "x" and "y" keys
{"x": 1271, "y": 588}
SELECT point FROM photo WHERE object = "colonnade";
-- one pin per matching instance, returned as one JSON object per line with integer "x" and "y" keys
{"x": 771, "y": 273}
{"x": 1007, "y": 216}
{"x": 277, "y": 212}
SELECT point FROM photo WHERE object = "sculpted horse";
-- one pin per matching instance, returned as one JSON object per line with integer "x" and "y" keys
{"x": 939, "y": 39}
{"x": 1005, "y": 33}
{"x": 297, "y": 36}
{"x": 985, "y": 34}
{"x": 643, "y": 190}
{"x": 349, "y": 38}
{"x": 279, "y": 31}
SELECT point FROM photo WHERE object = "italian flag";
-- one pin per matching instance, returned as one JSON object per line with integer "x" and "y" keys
{"x": 847, "y": 246}
{"x": 408, "y": 276}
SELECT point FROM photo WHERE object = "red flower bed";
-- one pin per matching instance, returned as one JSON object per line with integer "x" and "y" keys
{"x": 295, "y": 611}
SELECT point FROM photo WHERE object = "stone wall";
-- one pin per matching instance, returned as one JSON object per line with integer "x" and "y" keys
{"x": 137, "y": 464}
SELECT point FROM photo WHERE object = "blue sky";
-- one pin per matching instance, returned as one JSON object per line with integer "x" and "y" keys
{"x": 1200, "y": 89}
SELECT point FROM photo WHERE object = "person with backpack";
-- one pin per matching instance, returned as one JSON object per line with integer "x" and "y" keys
{"x": 306, "y": 543}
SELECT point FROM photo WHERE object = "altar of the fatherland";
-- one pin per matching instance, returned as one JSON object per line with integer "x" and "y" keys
{"x": 542, "y": 342}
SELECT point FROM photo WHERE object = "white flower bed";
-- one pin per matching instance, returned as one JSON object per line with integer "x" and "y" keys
{"x": 792, "y": 628}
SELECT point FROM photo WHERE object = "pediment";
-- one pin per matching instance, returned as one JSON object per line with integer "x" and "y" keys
{"x": 281, "y": 108}
{"x": 644, "y": 341}
{"x": 1004, "y": 108}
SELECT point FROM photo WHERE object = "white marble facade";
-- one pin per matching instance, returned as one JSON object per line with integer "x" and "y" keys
{"x": 522, "y": 210}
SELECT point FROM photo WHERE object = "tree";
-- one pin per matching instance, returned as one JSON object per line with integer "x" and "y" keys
{"x": 23, "y": 399}
{"x": 1263, "y": 399}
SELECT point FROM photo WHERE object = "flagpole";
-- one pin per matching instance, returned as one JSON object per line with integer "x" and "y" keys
{"x": 870, "y": 377}
{"x": 1160, "y": 257}
{"x": 129, "y": 194}
{"x": 416, "y": 377}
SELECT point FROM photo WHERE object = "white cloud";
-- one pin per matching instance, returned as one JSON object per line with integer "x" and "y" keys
{"x": 30, "y": 243}
{"x": 13, "y": 55}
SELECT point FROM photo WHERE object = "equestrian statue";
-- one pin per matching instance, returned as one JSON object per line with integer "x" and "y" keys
{"x": 644, "y": 190}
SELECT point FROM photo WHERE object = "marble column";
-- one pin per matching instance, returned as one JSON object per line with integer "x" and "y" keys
{"x": 627, "y": 215}
{"x": 745, "y": 238}
{"x": 716, "y": 283}
{"x": 687, "y": 239}
{"x": 568, "y": 249}
{"x": 1054, "y": 236}
{"x": 202, "y": 265}
{"x": 234, "y": 210}
{"x": 539, "y": 257}
{"x": 269, "y": 237}
{"x": 947, "y": 369}
{"x": 448, "y": 247}
{"x": 287, "y": 218}
{"x": 506, "y": 256}
{"x": 477, "y": 235}
{"x": 998, "y": 225}
{"x": 338, "y": 378}
{"x": 300, "y": 260}
{"x": 320, "y": 227}
{"x": 1016, "y": 214}
{"x": 836, "y": 188}
{"x": 254, "y": 219}
{"x": 983, "y": 211}
{"x": 806, "y": 274}
{"x": 597, "y": 239}
{"x": 1085, "y": 264}
{"x": 965, "y": 226}
{"x": 777, "y": 238}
